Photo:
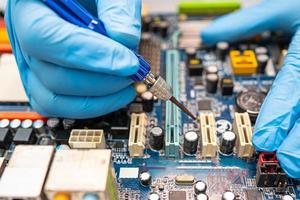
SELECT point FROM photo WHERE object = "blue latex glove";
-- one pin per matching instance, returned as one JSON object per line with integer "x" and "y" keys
{"x": 73, "y": 72}
{"x": 278, "y": 124}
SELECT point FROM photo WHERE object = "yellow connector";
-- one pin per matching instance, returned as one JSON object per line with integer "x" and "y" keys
{"x": 87, "y": 139}
{"x": 208, "y": 134}
{"x": 137, "y": 134}
{"x": 243, "y": 130}
{"x": 243, "y": 64}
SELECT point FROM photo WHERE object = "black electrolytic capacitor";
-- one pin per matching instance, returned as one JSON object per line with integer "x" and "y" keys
{"x": 212, "y": 83}
{"x": 148, "y": 101}
{"x": 145, "y": 179}
{"x": 200, "y": 187}
{"x": 222, "y": 50}
{"x": 228, "y": 195}
{"x": 262, "y": 62}
{"x": 202, "y": 197}
{"x": 156, "y": 139}
{"x": 164, "y": 27}
{"x": 190, "y": 142}
{"x": 211, "y": 69}
{"x": 227, "y": 142}
{"x": 146, "y": 22}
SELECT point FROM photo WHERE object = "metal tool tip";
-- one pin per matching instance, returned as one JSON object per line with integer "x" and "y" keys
{"x": 182, "y": 107}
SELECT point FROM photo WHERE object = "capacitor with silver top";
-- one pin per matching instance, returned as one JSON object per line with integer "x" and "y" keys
{"x": 4, "y": 123}
{"x": 211, "y": 69}
{"x": 190, "y": 143}
{"x": 200, "y": 187}
{"x": 227, "y": 143}
{"x": 202, "y": 197}
{"x": 222, "y": 49}
{"x": 68, "y": 123}
{"x": 145, "y": 179}
{"x": 262, "y": 62}
{"x": 156, "y": 138}
{"x": 27, "y": 123}
{"x": 39, "y": 126}
{"x": 212, "y": 83}
{"x": 148, "y": 101}
{"x": 261, "y": 50}
{"x": 153, "y": 196}
{"x": 228, "y": 195}
{"x": 14, "y": 125}
{"x": 53, "y": 123}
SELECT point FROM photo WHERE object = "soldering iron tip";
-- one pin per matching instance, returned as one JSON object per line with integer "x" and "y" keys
{"x": 182, "y": 107}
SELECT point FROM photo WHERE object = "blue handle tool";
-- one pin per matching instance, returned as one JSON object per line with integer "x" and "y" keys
{"x": 72, "y": 11}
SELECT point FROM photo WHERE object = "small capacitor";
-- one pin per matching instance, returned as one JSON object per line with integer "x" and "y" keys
{"x": 200, "y": 187}
{"x": 222, "y": 50}
{"x": 262, "y": 62}
{"x": 156, "y": 138}
{"x": 68, "y": 123}
{"x": 190, "y": 143}
{"x": 287, "y": 197}
{"x": 14, "y": 125}
{"x": 4, "y": 123}
{"x": 261, "y": 50}
{"x": 202, "y": 197}
{"x": 39, "y": 126}
{"x": 153, "y": 196}
{"x": 53, "y": 123}
{"x": 145, "y": 179}
{"x": 227, "y": 142}
{"x": 148, "y": 102}
{"x": 228, "y": 195}
{"x": 211, "y": 69}
{"x": 212, "y": 83}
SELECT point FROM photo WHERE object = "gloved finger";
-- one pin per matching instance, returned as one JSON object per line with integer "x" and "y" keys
{"x": 66, "y": 81}
{"x": 73, "y": 106}
{"x": 122, "y": 20}
{"x": 246, "y": 22}
{"x": 46, "y": 36}
{"x": 289, "y": 152}
{"x": 281, "y": 108}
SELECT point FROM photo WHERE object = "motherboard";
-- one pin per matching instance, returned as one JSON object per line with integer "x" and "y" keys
{"x": 150, "y": 149}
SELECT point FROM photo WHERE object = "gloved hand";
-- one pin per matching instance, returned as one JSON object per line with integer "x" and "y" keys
{"x": 73, "y": 72}
{"x": 278, "y": 124}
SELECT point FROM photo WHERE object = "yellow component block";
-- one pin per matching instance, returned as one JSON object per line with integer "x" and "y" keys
{"x": 62, "y": 196}
{"x": 3, "y": 36}
{"x": 243, "y": 64}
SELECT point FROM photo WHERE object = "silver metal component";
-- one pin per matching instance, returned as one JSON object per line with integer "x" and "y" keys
{"x": 161, "y": 89}
{"x": 4, "y": 123}
{"x": 27, "y": 123}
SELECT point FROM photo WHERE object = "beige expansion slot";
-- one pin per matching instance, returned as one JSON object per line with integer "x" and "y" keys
{"x": 208, "y": 134}
{"x": 137, "y": 134}
{"x": 242, "y": 128}
{"x": 87, "y": 139}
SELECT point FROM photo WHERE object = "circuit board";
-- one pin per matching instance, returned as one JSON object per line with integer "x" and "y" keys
{"x": 157, "y": 152}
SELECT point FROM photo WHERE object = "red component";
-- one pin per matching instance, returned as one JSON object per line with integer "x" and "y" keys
{"x": 5, "y": 48}
{"x": 2, "y": 22}
{"x": 266, "y": 157}
{"x": 21, "y": 115}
